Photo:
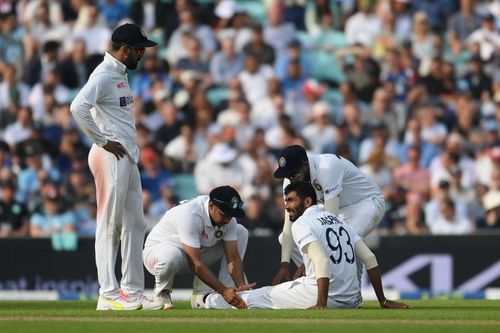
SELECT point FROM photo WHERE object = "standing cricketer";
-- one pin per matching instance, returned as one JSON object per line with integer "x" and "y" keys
{"x": 103, "y": 110}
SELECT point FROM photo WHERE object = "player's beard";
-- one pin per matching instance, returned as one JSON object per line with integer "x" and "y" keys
{"x": 131, "y": 62}
{"x": 297, "y": 212}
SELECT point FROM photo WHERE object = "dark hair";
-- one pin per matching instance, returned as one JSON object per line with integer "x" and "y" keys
{"x": 303, "y": 190}
{"x": 116, "y": 46}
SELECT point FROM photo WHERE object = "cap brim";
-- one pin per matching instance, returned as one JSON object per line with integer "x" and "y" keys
{"x": 146, "y": 43}
{"x": 284, "y": 173}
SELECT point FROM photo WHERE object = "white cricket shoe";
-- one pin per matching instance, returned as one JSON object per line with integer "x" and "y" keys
{"x": 198, "y": 301}
{"x": 118, "y": 304}
{"x": 150, "y": 304}
{"x": 165, "y": 299}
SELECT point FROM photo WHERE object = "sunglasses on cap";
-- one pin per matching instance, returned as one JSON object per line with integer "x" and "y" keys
{"x": 232, "y": 205}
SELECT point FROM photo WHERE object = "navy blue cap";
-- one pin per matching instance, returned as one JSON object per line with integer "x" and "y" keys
{"x": 228, "y": 200}
{"x": 290, "y": 161}
{"x": 131, "y": 34}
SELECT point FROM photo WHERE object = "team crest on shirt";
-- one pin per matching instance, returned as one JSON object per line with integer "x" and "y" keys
{"x": 317, "y": 187}
{"x": 219, "y": 233}
{"x": 204, "y": 234}
{"x": 282, "y": 162}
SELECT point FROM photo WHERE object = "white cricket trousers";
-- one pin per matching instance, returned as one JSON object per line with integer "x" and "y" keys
{"x": 301, "y": 293}
{"x": 363, "y": 217}
{"x": 166, "y": 259}
{"x": 120, "y": 217}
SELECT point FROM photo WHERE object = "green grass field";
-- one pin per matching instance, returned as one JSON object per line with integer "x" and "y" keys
{"x": 425, "y": 316}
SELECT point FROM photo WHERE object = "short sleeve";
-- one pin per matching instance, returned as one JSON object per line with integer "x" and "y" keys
{"x": 189, "y": 230}
{"x": 302, "y": 234}
{"x": 330, "y": 175}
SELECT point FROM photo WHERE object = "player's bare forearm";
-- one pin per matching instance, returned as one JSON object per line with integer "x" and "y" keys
{"x": 206, "y": 275}
{"x": 376, "y": 281}
{"x": 236, "y": 270}
{"x": 322, "y": 300}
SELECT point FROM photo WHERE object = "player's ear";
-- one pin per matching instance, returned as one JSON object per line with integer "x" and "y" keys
{"x": 308, "y": 202}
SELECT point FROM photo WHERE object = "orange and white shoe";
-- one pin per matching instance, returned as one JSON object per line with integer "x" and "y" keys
{"x": 118, "y": 303}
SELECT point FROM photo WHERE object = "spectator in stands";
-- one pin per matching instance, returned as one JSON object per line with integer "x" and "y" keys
{"x": 265, "y": 112}
{"x": 379, "y": 137}
{"x": 185, "y": 150}
{"x": 254, "y": 79}
{"x": 153, "y": 175}
{"x": 413, "y": 177}
{"x": 154, "y": 15}
{"x": 491, "y": 204}
{"x": 478, "y": 83}
{"x": 113, "y": 11}
{"x": 363, "y": 27}
{"x": 448, "y": 222}
{"x": 20, "y": 130}
{"x": 277, "y": 32}
{"x": 53, "y": 218}
{"x": 259, "y": 48}
{"x": 11, "y": 42}
{"x": 227, "y": 63}
{"x": 220, "y": 166}
{"x": 386, "y": 39}
{"x": 422, "y": 39}
{"x": 353, "y": 131}
{"x": 13, "y": 214}
{"x": 381, "y": 110}
{"x": 379, "y": 167}
{"x": 189, "y": 26}
{"x": 38, "y": 67}
{"x": 461, "y": 25}
{"x": 13, "y": 94}
{"x": 92, "y": 30}
{"x": 363, "y": 74}
{"x": 193, "y": 60}
{"x": 432, "y": 131}
{"x": 321, "y": 134}
{"x": 43, "y": 28}
{"x": 171, "y": 125}
{"x": 76, "y": 69}
{"x": 293, "y": 53}
{"x": 487, "y": 38}
{"x": 46, "y": 94}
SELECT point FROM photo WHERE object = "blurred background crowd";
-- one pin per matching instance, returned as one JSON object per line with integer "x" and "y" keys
{"x": 408, "y": 90}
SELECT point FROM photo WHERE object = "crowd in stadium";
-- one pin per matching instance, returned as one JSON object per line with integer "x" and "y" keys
{"x": 409, "y": 90}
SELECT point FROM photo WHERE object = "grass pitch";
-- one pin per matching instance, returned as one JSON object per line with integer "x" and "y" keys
{"x": 425, "y": 316}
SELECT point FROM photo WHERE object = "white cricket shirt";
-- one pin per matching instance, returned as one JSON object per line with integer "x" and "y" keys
{"x": 337, "y": 240}
{"x": 189, "y": 223}
{"x": 104, "y": 107}
{"x": 333, "y": 176}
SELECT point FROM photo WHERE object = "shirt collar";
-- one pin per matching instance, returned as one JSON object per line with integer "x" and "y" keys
{"x": 311, "y": 210}
{"x": 115, "y": 63}
{"x": 206, "y": 215}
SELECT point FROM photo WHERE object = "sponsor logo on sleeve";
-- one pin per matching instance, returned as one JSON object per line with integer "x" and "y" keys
{"x": 330, "y": 190}
{"x": 304, "y": 238}
{"x": 120, "y": 85}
